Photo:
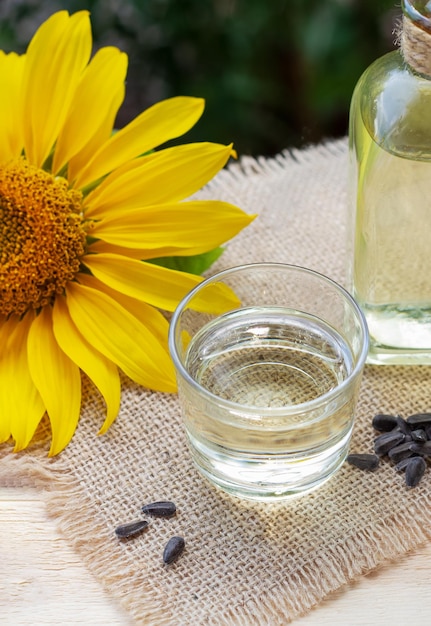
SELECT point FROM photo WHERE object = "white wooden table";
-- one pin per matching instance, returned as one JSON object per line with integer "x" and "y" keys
{"x": 43, "y": 582}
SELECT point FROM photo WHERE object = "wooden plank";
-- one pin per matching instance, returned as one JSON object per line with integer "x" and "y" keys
{"x": 43, "y": 582}
{"x": 394, "y": 595}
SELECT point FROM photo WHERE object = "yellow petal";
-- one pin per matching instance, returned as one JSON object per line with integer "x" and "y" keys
{"x": 57, "y": 378}
{"x": 117, "y": 334}
{"x": 100, "y": 246}
{"x": 25, "y": 405}
{"x": 5, "y": 421}
{"x": 55, "y": 59}
{"x": 150, "y": 317}
{"x": 153, "y": 284}
{"x": 134, "y": 253}
{"x": 156, "y": 285}
{"x": 197, "y": 225}
{"x": 102, "y": 372}
{"x": 166, "y": 176}
{"x": 94, "y": 106}
{"x": 161, "y": 122}
{"x": 11, "y": 72}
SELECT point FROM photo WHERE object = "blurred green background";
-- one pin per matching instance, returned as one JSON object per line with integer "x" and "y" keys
{"x": 275, "y": 74}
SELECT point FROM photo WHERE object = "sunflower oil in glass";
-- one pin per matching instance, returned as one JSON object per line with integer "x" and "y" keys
{"x": 273, "y": 358}
{"x": 390, "y": 143}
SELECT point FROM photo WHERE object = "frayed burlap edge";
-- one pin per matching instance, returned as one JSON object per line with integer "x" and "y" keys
{"x": 303, "y": 591}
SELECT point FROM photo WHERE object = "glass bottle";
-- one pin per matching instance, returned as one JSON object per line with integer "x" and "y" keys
{"x": 390, "y": 156}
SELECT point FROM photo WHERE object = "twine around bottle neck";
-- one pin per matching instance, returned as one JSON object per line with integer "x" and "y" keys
{"x": 416, "y": 46}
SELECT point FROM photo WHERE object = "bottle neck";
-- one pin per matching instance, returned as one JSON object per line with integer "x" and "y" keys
{"x": 416, "y": 38}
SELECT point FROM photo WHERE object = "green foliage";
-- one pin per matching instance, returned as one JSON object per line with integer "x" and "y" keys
{"x": 196, "y": 264}
{"x": 275, "y": 73}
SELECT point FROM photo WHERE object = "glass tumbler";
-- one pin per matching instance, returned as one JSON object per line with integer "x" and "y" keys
{"x": 269, "y": 360}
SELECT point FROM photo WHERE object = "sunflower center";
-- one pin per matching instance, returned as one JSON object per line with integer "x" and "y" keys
{"x": 42, "y": 237}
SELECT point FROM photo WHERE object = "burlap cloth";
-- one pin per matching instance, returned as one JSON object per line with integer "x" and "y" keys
{"x": 244, "y": 563}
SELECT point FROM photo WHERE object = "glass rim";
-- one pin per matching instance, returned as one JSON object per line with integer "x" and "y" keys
{"x": 250, "y": 408}
{"x": 416, "y": 16}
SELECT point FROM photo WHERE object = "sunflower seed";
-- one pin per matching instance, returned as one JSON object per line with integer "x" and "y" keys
{"x": 400, "y": 452}
{"x": 173, "y": 549}
{"x": 423, "y": 449}
{"x": 414, "y": 471}
{"x": 419, "y": 435}
{"x": 402, "y": 425}
{"x": 131, "y": 528}
{"x": 401, "y": 465}
{"x": 419, "y": 419}
{"x": 364, "y": 461}
{"x": 383, "y": 443}
{"x": 160, "y": 509}
{"x": 384, "y": 423}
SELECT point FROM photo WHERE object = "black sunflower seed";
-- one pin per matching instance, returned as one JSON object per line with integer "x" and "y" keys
{"x": 401, "y": 465}
{"x": 383, "y": 443}
{"x": 415, "y": 469}
{"x": 131, "y": 528}
{"x": 364, "y": 461}
{"x": 423, "y": 449}
{"x": 419, "y": 419}
{"x": 160, "y": 509}
{"x": 402, "y": 425}
{"x": 400, "y": 452}
{"x": 173, "y": 549}
{"x": 384, "y": 423}
{"x": 419, "y": 435}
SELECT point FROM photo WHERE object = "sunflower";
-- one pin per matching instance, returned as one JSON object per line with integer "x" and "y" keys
{"x": 84, "y": 211}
